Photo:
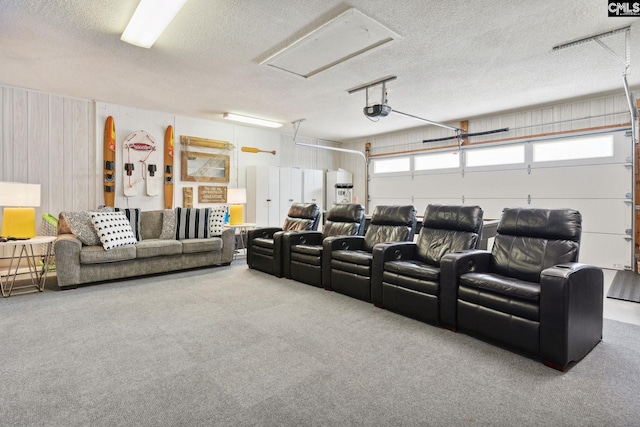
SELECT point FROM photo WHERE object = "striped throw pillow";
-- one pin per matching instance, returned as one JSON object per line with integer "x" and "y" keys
{"x": 192, "y": 223}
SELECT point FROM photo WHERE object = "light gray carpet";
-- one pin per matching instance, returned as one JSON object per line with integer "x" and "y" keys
{"x": 237, "y": 347}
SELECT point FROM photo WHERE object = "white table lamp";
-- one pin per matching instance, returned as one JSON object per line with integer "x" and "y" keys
{"x": 19, "y": 214}
{"x": 236, "y": 198}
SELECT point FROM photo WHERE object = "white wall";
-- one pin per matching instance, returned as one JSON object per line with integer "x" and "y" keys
{"x": 50, "y": 140}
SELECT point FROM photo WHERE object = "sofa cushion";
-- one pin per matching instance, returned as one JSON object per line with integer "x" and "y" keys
{"x": 216, "y": 220}
{"x": 79, "y": 223}
{"x": 192, "y": 223}
{"x": 97, "y": 254}
{"x": 133, "y": 215}
{"x": 190, "y": 246}
{"x": 113, "y": 229}
{"x": 155, "y": 247}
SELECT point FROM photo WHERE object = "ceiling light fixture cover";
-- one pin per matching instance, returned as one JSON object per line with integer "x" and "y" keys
{"x": 149, "y": 21}
{"x": 349, "y": 34}
{"x": 251, "y": 120}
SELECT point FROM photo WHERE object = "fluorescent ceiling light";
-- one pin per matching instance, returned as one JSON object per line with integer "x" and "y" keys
{"x": 149, "y": 21}
{"x": 344, "y": 37}
{"x": 251, "y": 120}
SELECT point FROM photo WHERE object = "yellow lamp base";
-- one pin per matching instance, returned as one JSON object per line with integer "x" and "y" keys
{"x": 236, "y": 214}
{"x": 19, "y": 223}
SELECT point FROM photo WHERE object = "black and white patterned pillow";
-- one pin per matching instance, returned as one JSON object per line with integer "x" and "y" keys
{"x": 192, "y": 223}
{"x": 80, "y": 225}
{"x": 216, "y": 220}
{"x": 168, "y": 225}
{"x": 133, "y": 215}
{"x": 113, "y": 229}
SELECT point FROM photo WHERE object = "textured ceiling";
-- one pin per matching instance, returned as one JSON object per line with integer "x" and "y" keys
{"x": 456, "y": 59}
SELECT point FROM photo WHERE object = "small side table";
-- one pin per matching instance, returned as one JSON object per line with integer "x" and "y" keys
{"x": 23, "y": 250}
{"x": 242, "y": 230}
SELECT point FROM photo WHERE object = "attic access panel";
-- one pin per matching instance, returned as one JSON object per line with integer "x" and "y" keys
{"x": 344, "y": 37}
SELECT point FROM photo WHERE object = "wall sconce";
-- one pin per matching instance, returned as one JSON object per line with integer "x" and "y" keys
{"x": 236, "y": 198}
{"x": 19, "y": 215}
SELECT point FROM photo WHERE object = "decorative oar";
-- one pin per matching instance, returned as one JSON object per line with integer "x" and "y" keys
{"x": 256, "y": 150}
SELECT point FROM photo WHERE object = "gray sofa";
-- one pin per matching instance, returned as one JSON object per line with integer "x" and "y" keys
{"x": 78, "y": 263}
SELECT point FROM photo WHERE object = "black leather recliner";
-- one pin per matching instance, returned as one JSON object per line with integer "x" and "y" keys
{"x": 302, "y": 252}
{"x": 264, "y": 245}
{"x": 528, "y": 292}
{"x": 406, "y": 276}
{"x": 350, "y": 257}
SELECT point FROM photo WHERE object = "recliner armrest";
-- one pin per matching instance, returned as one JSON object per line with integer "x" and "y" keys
{"x": 571, "y": 308}
{"x": 383, "y": 252}
{"x": 452, "y": 266}
{"x": 335, "y": 243}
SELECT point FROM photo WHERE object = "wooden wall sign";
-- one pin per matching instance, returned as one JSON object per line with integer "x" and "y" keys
{"x": 212, "y": 194}
{"x": 187, "y": 197}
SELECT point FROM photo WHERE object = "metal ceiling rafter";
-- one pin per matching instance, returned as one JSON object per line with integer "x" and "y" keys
{"x": 296, "y": 126}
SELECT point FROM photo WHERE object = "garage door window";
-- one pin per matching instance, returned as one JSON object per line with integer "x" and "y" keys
{"x": 436, "y": 161}
{"x": 509, "y": 155}
{"x": 398, "y": 164}
{"x": 573, "y": 149}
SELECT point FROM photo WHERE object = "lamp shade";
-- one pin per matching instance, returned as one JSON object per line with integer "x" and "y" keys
{"x": 19, "y": 194}
{"x": 236, "y": 196}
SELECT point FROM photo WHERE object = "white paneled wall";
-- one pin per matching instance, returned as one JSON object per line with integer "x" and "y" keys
{"x": 50, "y": 140}
{"x": 308, "y": 157}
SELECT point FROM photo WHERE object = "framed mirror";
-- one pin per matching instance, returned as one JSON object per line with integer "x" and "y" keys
{"x": 205, "y": 167}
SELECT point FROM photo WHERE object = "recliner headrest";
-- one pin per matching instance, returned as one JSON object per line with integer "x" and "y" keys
{"x": 303, "y": 210}
{"x": 552, "y": 224}
{"x": 346, "y": 212}
{"x": 394, "y": 215}
{"x": 461, "y": 218}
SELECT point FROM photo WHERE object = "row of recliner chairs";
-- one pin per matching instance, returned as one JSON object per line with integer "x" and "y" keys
{"x": 528, "y": 293}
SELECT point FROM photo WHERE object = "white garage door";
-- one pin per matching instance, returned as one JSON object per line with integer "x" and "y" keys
{"x": 592, "y": 173}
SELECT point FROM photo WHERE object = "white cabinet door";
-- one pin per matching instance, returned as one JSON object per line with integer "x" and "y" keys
{"x": 290, "y": 189}
{"x": 313, "y": 187}
{"x": 263, "y": 186}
